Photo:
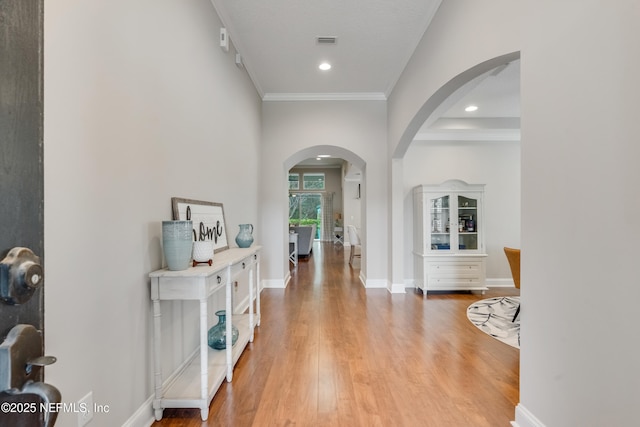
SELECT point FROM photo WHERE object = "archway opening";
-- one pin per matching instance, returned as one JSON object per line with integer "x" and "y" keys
{"x": 325, "y": 189}
{"x": 428, "y": 129}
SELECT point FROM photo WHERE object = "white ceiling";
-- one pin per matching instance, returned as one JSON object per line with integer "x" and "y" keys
{"x": 497, "y": 96}
{"x": 276, "y": 40}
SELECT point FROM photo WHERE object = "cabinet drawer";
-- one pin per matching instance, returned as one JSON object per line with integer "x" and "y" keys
{"x": 217, "y": 279}
{"x": 446, "y": 269}
{"x": 436, "y": 282}
{"x": 241, "y": 267}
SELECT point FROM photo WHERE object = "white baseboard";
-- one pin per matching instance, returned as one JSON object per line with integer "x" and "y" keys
{"x": 500, "y": 283}
{"x": 276, "y": 283}
{"x": 409, "y": 283}
{"x": 524, "y": 418}
{"x": 143, "y": 417}
{"x": 394, "y": 288}
{"x": 491, "y": 283}
{"x": 374, "y": 283}
{"x": 398, "y": 288}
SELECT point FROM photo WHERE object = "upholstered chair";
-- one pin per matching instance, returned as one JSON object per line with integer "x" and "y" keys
{"x": 513, "y": 256}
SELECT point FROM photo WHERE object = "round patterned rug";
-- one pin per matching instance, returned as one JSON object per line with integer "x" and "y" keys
{"x": 494, "y": 316}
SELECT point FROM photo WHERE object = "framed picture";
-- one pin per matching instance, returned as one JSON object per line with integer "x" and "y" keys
{"x": 208, "y": 220}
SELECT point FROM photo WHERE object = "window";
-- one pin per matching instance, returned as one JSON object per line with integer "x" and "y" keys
{"x": 294, "y": 181}
{"x": 312, "y": 181}
{"x": 306, "y": 209}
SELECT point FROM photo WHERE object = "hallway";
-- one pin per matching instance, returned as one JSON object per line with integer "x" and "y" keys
{"x": 330, "y": 353}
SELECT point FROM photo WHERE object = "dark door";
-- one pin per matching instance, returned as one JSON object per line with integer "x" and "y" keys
{"x": 21, "y": 156}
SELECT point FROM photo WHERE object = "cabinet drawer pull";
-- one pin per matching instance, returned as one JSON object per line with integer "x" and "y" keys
{"x": 219, "y": 280}
{"x": 244, "y": 265}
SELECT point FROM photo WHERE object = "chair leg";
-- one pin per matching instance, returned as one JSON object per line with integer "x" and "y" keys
{"x": 516, "y": 315}
{"x": 351, "y": 255}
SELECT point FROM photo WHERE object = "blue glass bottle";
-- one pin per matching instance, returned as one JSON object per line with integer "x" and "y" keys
{"x": 217, "y": 336}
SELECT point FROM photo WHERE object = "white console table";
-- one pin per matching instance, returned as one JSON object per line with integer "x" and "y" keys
{"x": 197, "y": 382}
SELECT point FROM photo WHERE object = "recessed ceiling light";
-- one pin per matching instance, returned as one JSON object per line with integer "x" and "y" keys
{"x": 471, "y": 108}
{"x": 325, "y": 66}
{"x": 324, "y": 155}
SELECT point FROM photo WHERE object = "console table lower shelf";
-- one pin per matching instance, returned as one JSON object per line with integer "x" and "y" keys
{"x": 181, "y": 391}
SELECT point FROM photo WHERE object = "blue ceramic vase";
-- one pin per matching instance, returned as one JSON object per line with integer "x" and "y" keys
{"x": 244, "y": 239}
{"x": 177, "y": 243}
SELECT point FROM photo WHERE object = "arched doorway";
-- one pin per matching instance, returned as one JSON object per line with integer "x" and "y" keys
{"x": 354, "y": 204}
{"x": 427, "y": 113}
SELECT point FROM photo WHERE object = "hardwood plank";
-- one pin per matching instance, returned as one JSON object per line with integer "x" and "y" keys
{"x": 330, "y": 353}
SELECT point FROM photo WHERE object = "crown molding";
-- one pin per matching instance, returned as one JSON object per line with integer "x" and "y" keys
{"x": 357, "y": 96}
{"x": 469, "y": 135}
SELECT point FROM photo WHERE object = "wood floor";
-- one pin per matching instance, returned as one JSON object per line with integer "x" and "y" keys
{"x": 330, "y": 353}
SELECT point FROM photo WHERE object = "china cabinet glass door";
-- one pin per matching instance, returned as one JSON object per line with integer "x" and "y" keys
{"x": 467, "y": 223}
{"x": 440, "y": 219}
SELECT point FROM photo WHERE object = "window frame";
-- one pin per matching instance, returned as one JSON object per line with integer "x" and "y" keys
{"x": 314, "y": 174}
{"x": 296, "y": 181}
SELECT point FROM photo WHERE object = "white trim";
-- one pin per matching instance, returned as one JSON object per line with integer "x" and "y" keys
{"x": 410, "y": 283}
{"x": 491, "y": 283}
{"x": 500, "y": 283}
{"x": 143, "y": 416}
{"x": 276, "y": 283}
{"x": 524, "y": 418}
{"x": 287, "y": 279}
{"x": 139, "y": 419}
{"x": 398, "y": 288}
{"x": 375, "y": 283}
{"x": 469, "y": 135}
{"x": 363, "y": 96}
{"x": 243, "y": 305}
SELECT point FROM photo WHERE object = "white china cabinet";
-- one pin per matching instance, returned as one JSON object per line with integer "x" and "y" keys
{"x": 448, "y": 246}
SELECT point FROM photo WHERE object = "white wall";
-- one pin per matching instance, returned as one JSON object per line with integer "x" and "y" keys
{"x": 464, "y": 40}
{"x": 140, "y": 105}
{"x": 579, "y": 150}
{"x": 462, "y": 34}
{"x": 359, "y": 129}
{"x": 495, "y": 164}
{"x": 134, "y": 89}
{"x": 579, "y": 362}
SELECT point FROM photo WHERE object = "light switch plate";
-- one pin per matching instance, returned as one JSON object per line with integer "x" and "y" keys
{"x": 85, "y": 413}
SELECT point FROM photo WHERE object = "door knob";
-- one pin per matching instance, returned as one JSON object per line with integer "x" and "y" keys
{"x": 20, "y": 275}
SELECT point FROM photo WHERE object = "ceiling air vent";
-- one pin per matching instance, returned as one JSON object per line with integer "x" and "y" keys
{"x": 326, "y": 40}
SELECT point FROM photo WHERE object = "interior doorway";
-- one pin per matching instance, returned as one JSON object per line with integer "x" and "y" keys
{"x": 325, "y": 188}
